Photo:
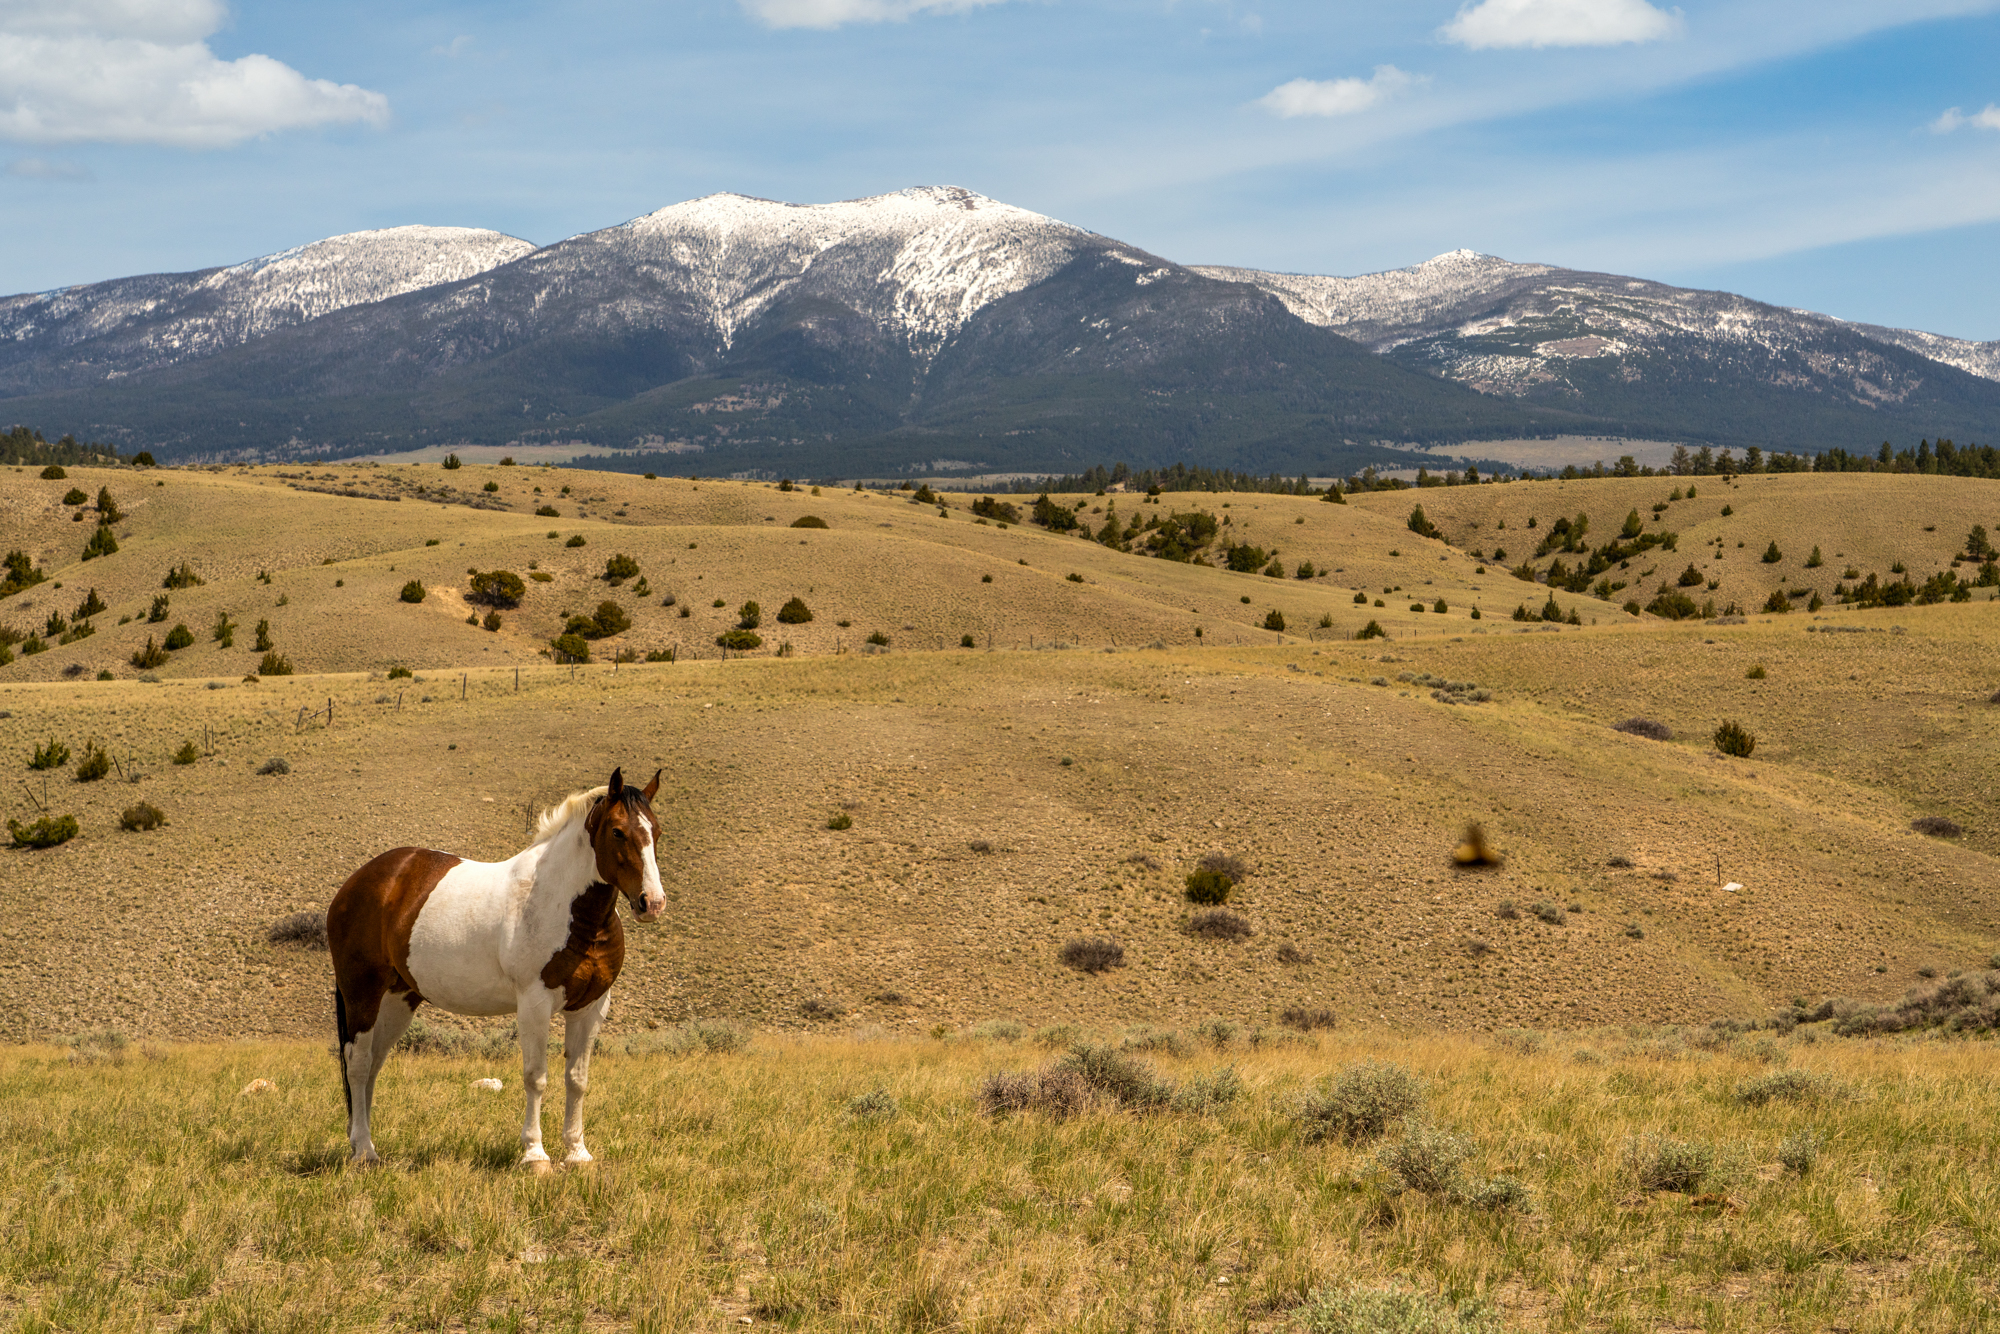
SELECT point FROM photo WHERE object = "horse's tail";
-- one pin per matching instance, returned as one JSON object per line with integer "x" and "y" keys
{"x": 346, "y": 1036}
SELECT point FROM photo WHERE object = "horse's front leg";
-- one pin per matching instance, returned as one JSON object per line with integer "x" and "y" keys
{"x": 579, "y": 1036}
{"x": 531, "y": 1018}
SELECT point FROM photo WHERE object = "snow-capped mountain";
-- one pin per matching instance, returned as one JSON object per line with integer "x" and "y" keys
{"x": 128, "y": 325}
{"x": 936, "y": 323}
{"x": 1630, "y": 348}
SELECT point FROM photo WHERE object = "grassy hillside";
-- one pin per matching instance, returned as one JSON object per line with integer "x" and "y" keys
{"x": 1005, "y": 802}
{"x": 827, "y": 1184}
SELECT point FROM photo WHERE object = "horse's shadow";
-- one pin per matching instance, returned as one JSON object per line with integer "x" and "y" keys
{"x": 327, "y": 1159}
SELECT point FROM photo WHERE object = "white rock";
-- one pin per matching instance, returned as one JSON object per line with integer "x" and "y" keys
{"x": 490, "y": 1085}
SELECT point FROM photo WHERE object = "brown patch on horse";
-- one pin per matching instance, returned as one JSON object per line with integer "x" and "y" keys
{"x": 368, "y": 929}
{"x": 588, "y": 963}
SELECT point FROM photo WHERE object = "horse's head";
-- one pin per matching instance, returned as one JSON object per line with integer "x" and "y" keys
{"x": 623, "y": 832}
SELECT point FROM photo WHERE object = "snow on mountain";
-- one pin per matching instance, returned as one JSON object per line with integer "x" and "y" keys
{"x": 1981, "y": 359}
{"x": 115, "y": 328}
{"x": 922, "y": 261}
{"x": 1378, "y": 307}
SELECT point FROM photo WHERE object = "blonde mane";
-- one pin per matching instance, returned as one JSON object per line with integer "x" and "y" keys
{"x": 564, "y": 813}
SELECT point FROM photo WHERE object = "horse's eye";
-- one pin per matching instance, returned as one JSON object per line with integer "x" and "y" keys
{"x": 619, "y": 832}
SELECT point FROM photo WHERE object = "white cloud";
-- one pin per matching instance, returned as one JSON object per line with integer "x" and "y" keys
{"x": 139, "y": 71}
{"x": 1988, "y": 119}
{"x": 1498, "y": 23}
{"x": 1335, "y": 97}
{"x": 833, "y": 13}
{"x": 42, "y": 169}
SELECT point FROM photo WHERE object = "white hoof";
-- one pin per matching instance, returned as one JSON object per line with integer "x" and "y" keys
{"x": 540, "y": 1167}
{"x": 580, "y": 1158}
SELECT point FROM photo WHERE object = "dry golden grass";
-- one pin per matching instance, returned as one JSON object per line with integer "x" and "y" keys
{"x": 147, "y": 1190}
{"x": 1095, "y": 779}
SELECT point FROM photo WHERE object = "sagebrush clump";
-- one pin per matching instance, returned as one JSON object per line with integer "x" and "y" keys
{"x": 1360, "y": 1103}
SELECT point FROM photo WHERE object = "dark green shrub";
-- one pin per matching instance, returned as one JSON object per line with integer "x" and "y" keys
{"x": 610, "y": 619}
{"x": 142, "y": 817}
{"x": 1644, "y": 727}
{"x": 21, "y": 573}
{"x": 158, "y": 615}
{"x": 967, "y": 641}
{"x": 1936, "y": 826}
{"x": 1306, "y": 570}
{"x": 451, "y": 462}
{"x": 400, "y": 674}
{"x": 187, "y": 754}
{"x": 548, "y": 512}
{"x": 572, "y": 648}
{"x": 740, "y": 640}
{"x": 1756, "y": 673}
{"x": 1274, "y": 620}
{"x": 1360, "y": 1103}
{"x": 182, "y": 576}
{"x": 1771, "y": 553}
{"x": 1304, "y": 1019}
{"x": 1691, "y": 577}
{"x": 53, "y": 755}
{"x": 413, "y": 591}
{"x": 54, "y": 473}
{"x": 878, "y": 639}
{"x": 274, "y": 664}
{"x": 1674, "y": 605}
{"x": 43, "y": 833}
{"x": 101, "y": 543}
{"x": 1777, "y": 604}
{"x": 749, "y": 616}
{"x": 93, "y": 764}
{"x": 1814, "y": 561}
{"x": 32, "y": 645}
{"x": 491, "y": 621}
{"x": 1209, "y": 887}
{"x": 1372, "y": 630}
{"x": 76, "y": 497}
{"x": 660, "y": 655}
{"x": 1128, "y": 1081}
{"x": 497, "y": 588}
{"x": 1732, "y": 739}
{"x": 149, "y": 657}
{"x": 809, "y": 521}
{"x": 491, "y": 487}
{"x": 276, "y": 766}
{"x": 1074, "y": 578}
{"x": 223, "y": 631}
{"x": 575, "y": 541}
{"x": 620, "y": 567}
{"x": 1360, "y": 599}
{"x": 1092, "y": 954}
{"x": 1421, "y": 525}
{"x": 179, "y": 638}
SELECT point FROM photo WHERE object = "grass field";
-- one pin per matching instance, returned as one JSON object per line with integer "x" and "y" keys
{"x": 857, "y": 1184}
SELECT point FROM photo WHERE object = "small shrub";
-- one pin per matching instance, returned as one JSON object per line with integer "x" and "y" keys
{"x": 1661, "y": 1163}
{"x": 795, "y": 612}
{"x": 878, "y": 639}
{"x": 1129, "y": 1082}
{"x": 158, "y": 614}
{"x": 1372, "y": 630}
{"x": 1428, "y": 1159}
{"x": 1226, "y": 863}
{"x": 413, "y": 591}
{"x": 52, "y": 755}
{"x": 548, "y": 512}
{"x": 1209, "y": 887}
{"x": 1304, "y": 1019}
{"x": 841, "y": 821}
{"x": 451, "y": 462}
{"x": 179, "y": 637}
{"x": 1360, "y": 1103}
{"x": 1274, "y": 620}
{"x": 571, "y": 648}
{"x": 274, "y": 664}
{"x": 102, "y": 543}
{"x": 46, "y": 832}
{"x": 182, "y": 576}
{"x": 150, "y": 656}
{"x": 1220, "y": 924}
{"x": 619, "y": 568}
{"x": 1756, "y": 673}
{"x": 187, "y": 754}
{"x": 1056, "y": 1091}
{"x": 740, "y": 640}
{"x": 1218, "y": 1033}
{"x": 274, "y": 766}
{"x": 491, "y": 621}
{"x": 1644, "y": 727}
{"x": 1550, "y": 913}
{"x": 1937, "y": 826}
{"x": 400, "y": 674}
{"x": 93, "y": 764}
{"x": 1633, "y": 931}
{"x": 820, "y": 1009}
{"x": 1507, "y": 911}
{"x": 1799, "y": 1153}
{"x": 1784, "y": 1086}
{"x": 1732, "y": 739}
{"x": 1771, "y": 553}
{"x": 501, "y": 589}
{"x": 1359, "y": 1310}
{"x": 54, "y": 473}
{"x": 1292, "y": 954}
{"x": 1092, "y": 954}
{"x": 142, "y": 817}
{"x": 875, "y": 1106}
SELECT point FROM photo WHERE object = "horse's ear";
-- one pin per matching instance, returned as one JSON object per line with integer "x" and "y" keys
{"x": 617, "y": 784}
{"x": 652, "y": 787}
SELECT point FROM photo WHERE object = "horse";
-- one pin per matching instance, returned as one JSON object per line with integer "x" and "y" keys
{"x": 523, "y": 937}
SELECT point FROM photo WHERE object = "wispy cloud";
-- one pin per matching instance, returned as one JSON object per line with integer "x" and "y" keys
{"x": 140, "y": 72}
{"x": 833, "y": 13}
{"x": 1514, "y": 23}
{"x": 1335, "y": 97}
{"x": 454, "y": 48}
{"x": 42, "y": 169}
{"x": 1953, "y": 119}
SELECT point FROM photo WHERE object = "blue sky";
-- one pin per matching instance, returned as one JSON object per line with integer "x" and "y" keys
{"x": 1842, "y": 155}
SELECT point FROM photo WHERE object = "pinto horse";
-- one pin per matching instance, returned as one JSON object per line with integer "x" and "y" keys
{"x": 526, "y": 936}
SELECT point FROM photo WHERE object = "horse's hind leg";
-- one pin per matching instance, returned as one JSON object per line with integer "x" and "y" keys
{"x": 364, "y": 1052}
{"x": 579, "y": 1036}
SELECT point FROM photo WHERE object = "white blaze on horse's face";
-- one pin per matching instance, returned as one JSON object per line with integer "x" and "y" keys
{"x": 652, "y": 898}
{"x": 624, "y": 840}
